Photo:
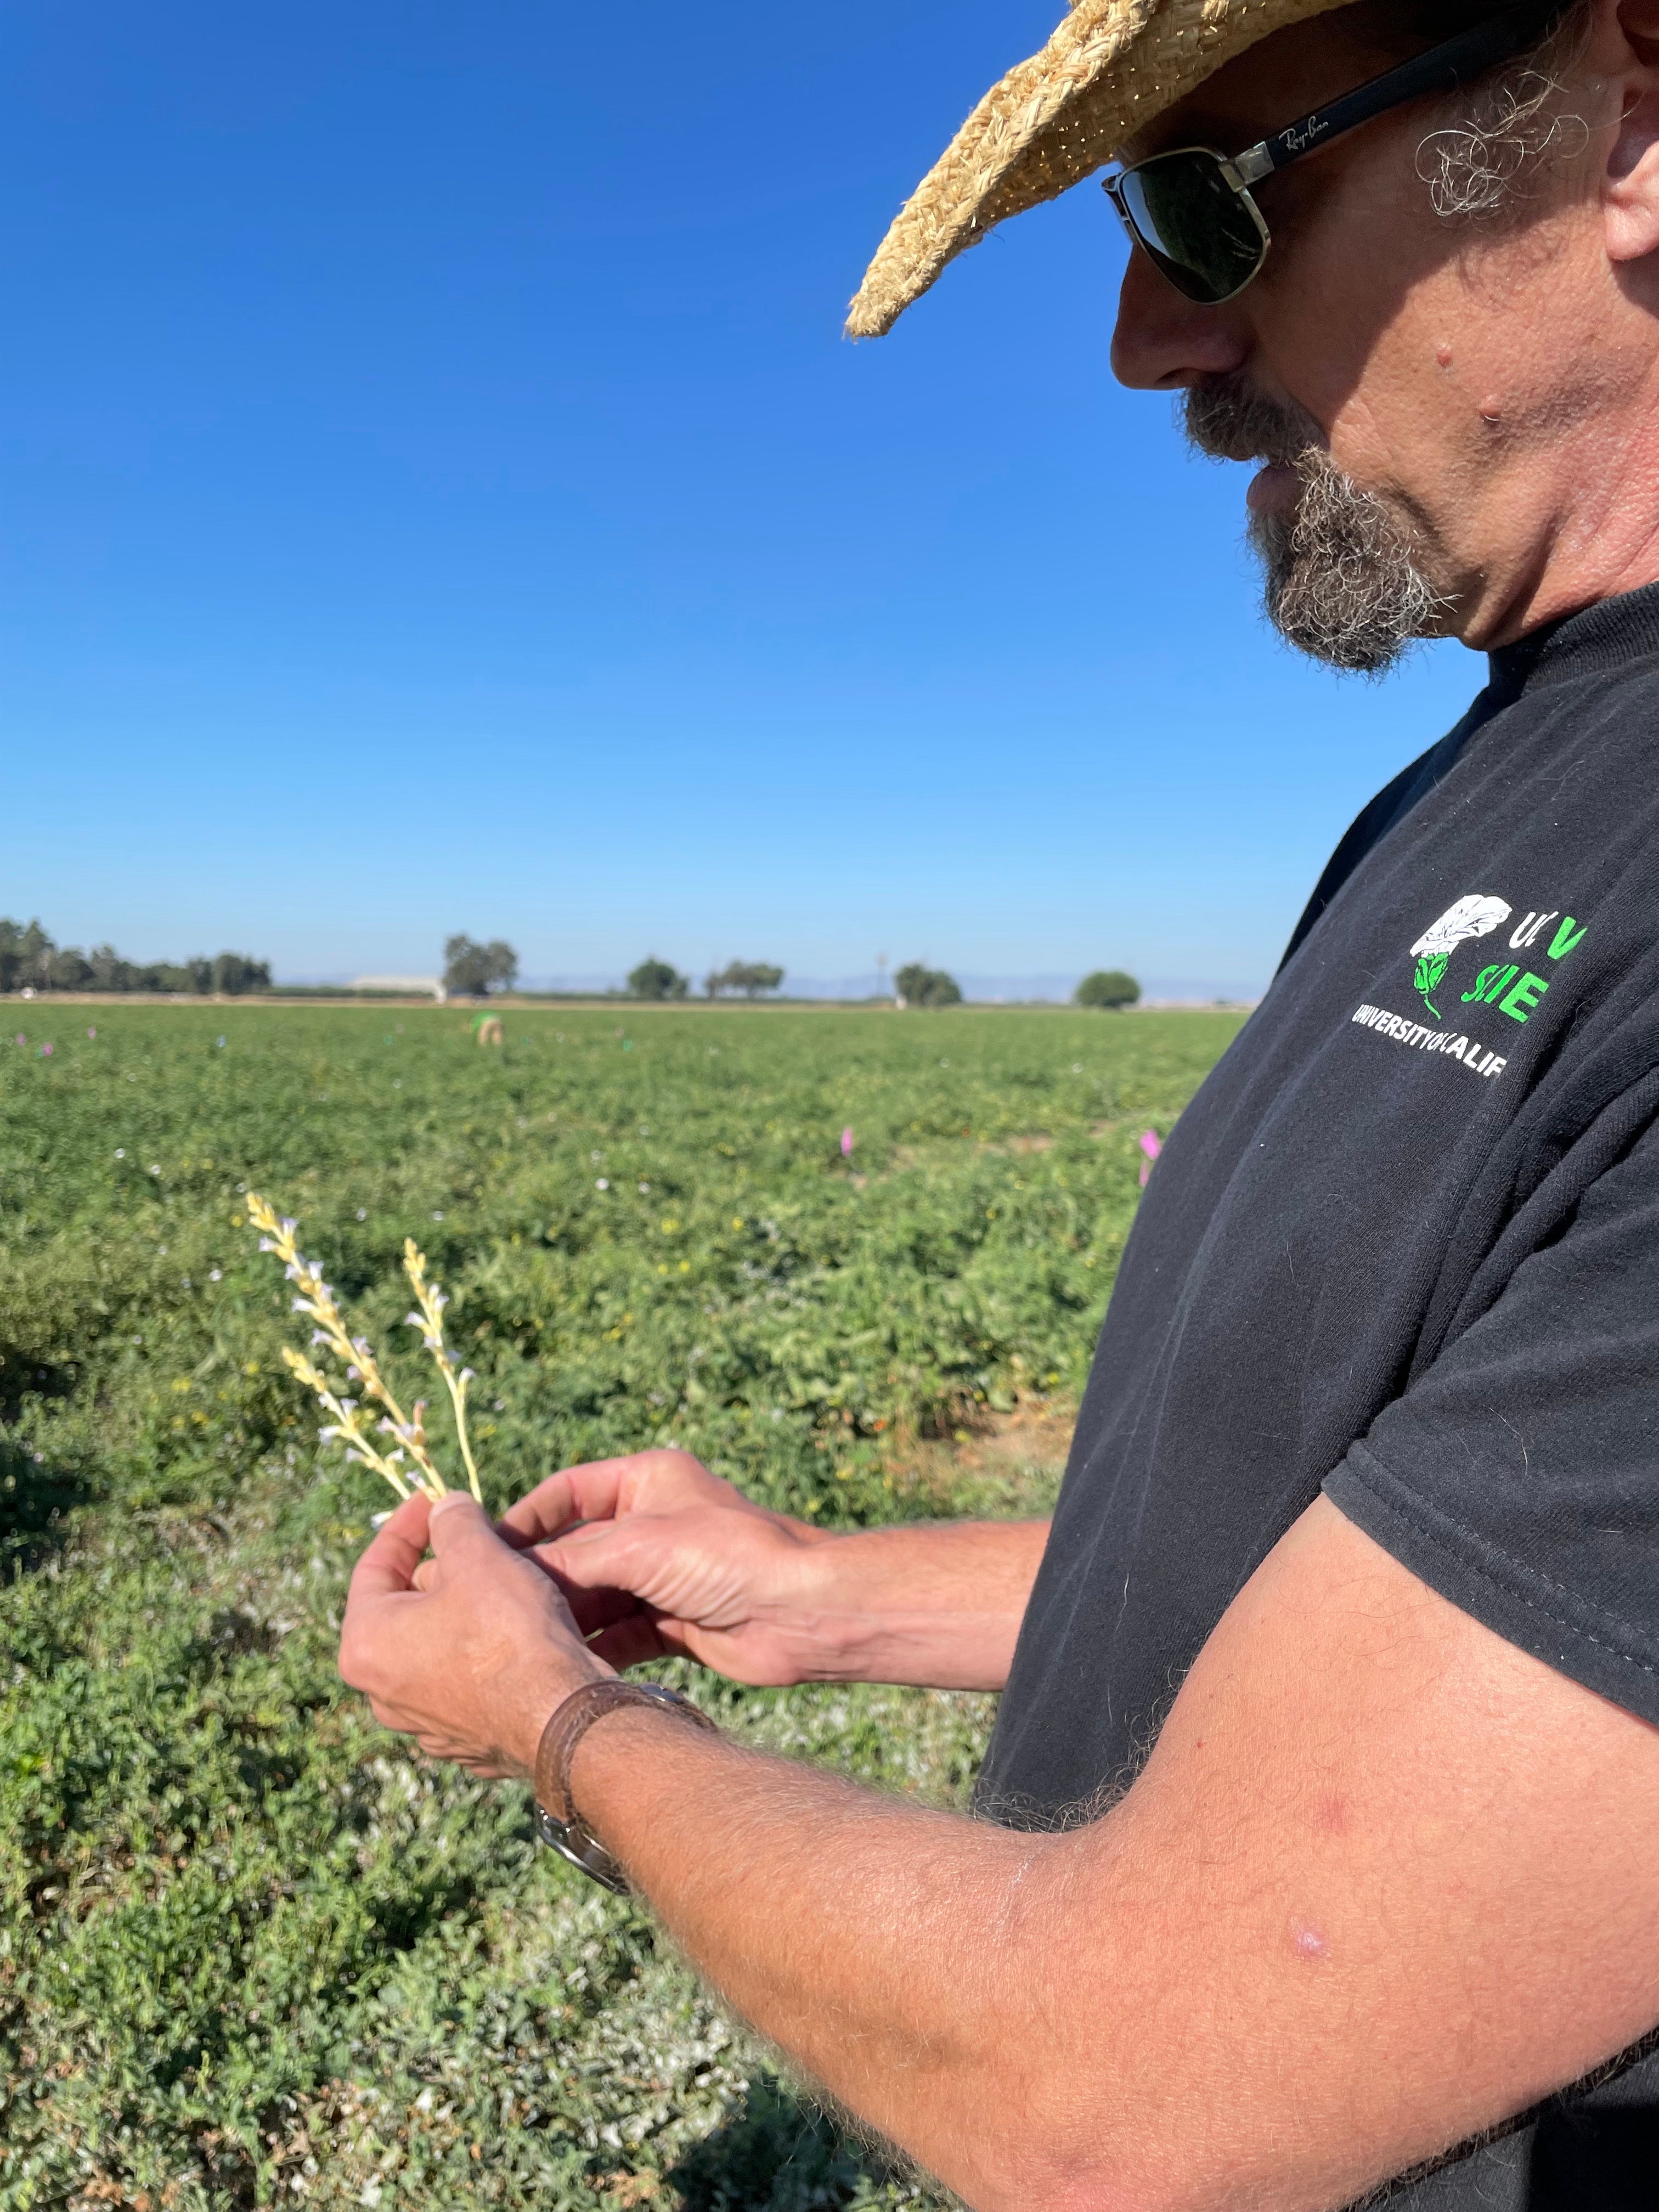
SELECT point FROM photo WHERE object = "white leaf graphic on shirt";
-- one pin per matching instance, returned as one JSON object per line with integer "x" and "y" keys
{"x": 1474, "y": 916}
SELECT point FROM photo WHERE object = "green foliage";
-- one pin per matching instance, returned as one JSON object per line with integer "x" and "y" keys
{"x": 918, "y": 986}
{"x": 1430, "y": 974}
{"x": 247, "y": 1940}
{"x": 751, "y": 977}
{"x": 29, "y": 960}
{"x": 1108, "y": 986}
{"x": 472, "y": 971}
{"x": 655, "y": 978}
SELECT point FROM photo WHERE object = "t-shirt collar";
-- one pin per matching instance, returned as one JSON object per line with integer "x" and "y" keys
{"x": 1605, "y": 637}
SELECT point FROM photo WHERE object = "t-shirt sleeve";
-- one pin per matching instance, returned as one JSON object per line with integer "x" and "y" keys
{"x": 1519, "y": 1475}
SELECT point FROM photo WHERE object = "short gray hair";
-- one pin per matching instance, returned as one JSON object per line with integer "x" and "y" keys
{"x": 1475, "y": 164}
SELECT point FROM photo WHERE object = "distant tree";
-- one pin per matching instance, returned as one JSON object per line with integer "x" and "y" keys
{"x": 109, "y": 971}
{"x": 751, "y": 977}
{"x": 920, "y": 986}
{"x": 69, "y": 969}
{"x": 472, "y": 971}
{"x": 29, "y": 959}
{"x": 1106, "y": 987}
{"x": 655, "y": 978}
{"x": 26, "y": 953}
{"x": 236, "y": 973}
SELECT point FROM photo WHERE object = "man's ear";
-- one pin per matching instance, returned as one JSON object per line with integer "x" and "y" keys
{"x": 1631, "y": 185}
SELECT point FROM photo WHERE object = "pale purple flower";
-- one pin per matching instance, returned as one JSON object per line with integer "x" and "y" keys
{"x": 45, "y": 1052}
{"x": 1152, "y": 1144}
{"x": 847, "y": 1143}
{"x": 92, "y": 1033}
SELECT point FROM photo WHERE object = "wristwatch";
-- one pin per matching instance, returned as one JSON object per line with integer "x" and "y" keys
{"x": 557, "y": 1821}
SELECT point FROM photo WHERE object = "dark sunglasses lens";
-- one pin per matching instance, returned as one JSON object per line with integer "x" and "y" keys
{"x": 1193, "y": 224}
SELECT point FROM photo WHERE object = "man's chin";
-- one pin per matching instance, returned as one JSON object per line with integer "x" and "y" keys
{"x": 1342, "y": 584}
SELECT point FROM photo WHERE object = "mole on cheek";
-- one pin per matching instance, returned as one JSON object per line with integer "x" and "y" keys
{"x": 1443, "y": 355}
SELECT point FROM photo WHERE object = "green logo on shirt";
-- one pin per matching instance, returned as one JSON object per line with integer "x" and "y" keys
{"x": 1470, "y": 918}
{"x": 1513, "y": 991}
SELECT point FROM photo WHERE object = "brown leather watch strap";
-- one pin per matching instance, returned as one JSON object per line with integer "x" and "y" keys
{"x": 572, "y": 1719}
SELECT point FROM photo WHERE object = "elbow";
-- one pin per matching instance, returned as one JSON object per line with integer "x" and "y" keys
{"x": 1037, "y": 2170}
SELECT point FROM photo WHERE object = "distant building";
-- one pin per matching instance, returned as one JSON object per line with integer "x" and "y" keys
{"x": 431, "y": 985}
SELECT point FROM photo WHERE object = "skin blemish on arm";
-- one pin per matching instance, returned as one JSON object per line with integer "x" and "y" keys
{"x": 1307, "y": 1942}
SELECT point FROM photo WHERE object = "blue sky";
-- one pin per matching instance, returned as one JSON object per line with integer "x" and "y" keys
{"x": 438, "y": 496}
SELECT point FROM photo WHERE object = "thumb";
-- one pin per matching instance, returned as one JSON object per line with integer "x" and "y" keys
{"x": 457, "y": 1523}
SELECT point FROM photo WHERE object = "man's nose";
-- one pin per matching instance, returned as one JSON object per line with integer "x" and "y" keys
{"x": 1163, "y": 341}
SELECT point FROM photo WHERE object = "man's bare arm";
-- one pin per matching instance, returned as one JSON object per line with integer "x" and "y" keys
{"x": 670, "y": 1559}
{"x": 1385, "y": 1881}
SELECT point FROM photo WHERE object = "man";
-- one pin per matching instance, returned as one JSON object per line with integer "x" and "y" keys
{"x": 1360, "y": 1532}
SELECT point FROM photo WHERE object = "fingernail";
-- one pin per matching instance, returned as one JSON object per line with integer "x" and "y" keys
{"x": 449, "y": 1498}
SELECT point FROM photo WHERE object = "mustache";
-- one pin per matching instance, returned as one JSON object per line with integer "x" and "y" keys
{"x": 1228, "y": 419}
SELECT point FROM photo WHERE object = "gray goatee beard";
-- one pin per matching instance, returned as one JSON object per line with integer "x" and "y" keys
{"x": 1341, "y": 581}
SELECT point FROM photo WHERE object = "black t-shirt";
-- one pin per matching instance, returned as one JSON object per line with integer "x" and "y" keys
{"x": 1404, "y": 1246}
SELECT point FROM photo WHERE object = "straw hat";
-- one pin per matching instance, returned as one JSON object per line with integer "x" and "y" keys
{"x": 1110, "y": 68}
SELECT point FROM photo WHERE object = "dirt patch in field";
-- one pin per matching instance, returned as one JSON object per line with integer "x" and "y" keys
{"x": 1009, "y": 1463}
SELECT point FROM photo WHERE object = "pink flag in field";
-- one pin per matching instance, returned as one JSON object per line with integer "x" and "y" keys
{"x": 1152, "y": 1144}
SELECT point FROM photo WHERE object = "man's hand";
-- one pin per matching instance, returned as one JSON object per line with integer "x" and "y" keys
{"x": 469, "y": 1651}
{"x": 671, "y": 1561}
{"x": 658, "y": 1557}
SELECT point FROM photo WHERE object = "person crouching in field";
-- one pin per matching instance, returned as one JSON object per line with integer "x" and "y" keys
{"x": 1368, "y": 1470}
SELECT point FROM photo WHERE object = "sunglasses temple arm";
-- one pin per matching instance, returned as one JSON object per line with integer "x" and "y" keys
{"x": 1443, "y": 68}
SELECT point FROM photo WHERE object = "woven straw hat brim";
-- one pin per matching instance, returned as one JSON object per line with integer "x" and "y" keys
{"x": 1113, "y": 67}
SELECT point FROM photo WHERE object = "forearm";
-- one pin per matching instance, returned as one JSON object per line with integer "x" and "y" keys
{"x": 1381, "y": 1885}
{"x": 935, "y": 1605}
{"x": 892, "y": 1952}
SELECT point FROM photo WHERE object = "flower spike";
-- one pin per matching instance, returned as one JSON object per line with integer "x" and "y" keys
{"x": 362, "y": 1367}
{"x": 429, "y": 1320}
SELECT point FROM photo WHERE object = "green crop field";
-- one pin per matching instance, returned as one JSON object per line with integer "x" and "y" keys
{"x": 252, "y": 1949}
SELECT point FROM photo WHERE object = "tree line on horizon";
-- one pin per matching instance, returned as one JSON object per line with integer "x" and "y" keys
{"x": 659, "y": 979}
{"x": 30, "y": 960}
{"x": 915, "y": 984}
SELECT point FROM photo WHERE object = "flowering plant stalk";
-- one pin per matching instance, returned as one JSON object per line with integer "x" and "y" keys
{"x": 407, "y": 1463}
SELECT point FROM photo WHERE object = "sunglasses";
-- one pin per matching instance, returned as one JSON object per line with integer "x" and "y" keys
{"x": 1192, "y": 211}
